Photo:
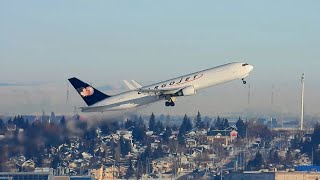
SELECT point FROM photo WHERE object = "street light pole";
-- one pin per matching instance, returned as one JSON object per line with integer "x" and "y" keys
{"x": 302, "y": 102}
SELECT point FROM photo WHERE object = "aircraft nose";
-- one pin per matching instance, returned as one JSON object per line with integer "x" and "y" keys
{"x": 250, "y": 67}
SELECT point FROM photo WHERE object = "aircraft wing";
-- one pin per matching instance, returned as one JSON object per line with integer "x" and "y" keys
{"x": 159, "y": 91}
{"x": 92, "y": 109}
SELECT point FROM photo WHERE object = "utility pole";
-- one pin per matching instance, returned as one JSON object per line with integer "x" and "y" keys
{"x": 272, "y": 96}
{"x": 114, "y": 165}
{"x": 148, "y": 166}
{"x": 312, "y": 157}
{"x": 246, "y": 148}
{"x": 249, "y": 94}
{"x": 302, "y": 102}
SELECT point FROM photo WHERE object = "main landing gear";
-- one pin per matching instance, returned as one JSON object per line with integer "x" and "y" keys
{"x": 243, "y": 81}
{"x": 170, "y": 101}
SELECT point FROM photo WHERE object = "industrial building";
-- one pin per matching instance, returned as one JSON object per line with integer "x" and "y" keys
{"x": 255, "y": 175}
{"x": 26, "y": 175}
{"x": 43, "y": 175}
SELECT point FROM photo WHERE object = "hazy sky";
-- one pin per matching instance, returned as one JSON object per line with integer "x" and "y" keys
{"x": 42, "y": 43}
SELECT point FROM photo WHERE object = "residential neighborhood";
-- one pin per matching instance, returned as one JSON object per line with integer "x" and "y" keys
{"x": 147, "y": 148}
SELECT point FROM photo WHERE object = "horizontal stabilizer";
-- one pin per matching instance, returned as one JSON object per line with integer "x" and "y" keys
{"x": 137, "y": 85}
{"x": 130, "y": 86}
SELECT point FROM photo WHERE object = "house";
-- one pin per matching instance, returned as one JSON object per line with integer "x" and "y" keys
{"x": 307, "y": 137}
{"x": 205, "y": 146}
{"x": 221, "y": 136}
{"x": 201, "y": 132}
{"x": 11, "y": 127}
{"x": 110, "y": 172}
{"x": 149, "y": 133}
{"x": 191, "y": 143}
{"x": 127, "y": 135}
{"x": 154, "y": 145}
{"x": 29, "y": 164}
{"x": 105, "y": 173}
{"x": 184, "y": 160}
{"x": 162, "y": 165}
{"x": 86, "y": 155}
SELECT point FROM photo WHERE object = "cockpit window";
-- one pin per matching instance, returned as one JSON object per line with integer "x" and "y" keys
{"x": 245, "y": 64}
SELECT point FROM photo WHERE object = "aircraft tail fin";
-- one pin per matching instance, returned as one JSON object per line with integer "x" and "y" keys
{"x": 88, "y": 93}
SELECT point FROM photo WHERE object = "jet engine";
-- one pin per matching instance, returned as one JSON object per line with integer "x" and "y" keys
{"x": 187, "y": 91}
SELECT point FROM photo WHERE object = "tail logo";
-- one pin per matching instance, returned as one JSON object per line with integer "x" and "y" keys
{"x": 88, "y": 91}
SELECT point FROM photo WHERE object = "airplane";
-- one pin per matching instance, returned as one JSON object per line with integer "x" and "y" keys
{"x": 168, "y": 91}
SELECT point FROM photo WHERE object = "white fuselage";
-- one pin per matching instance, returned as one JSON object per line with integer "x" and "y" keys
{"x": 197, "y": 80}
